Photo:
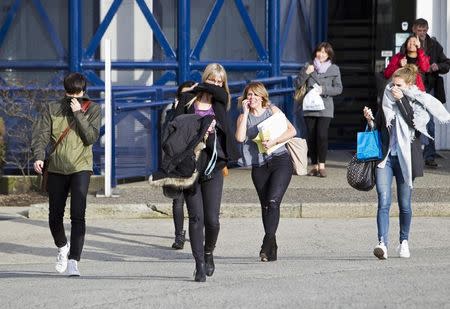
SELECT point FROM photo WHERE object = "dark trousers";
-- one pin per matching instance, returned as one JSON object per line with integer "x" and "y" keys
{"x": 271, "y": 182}
{"x": 203, "y": 205}
{"x": 178, "y": 214}
{"x": 59, "y": 187}
{"x": 317, "y": 138}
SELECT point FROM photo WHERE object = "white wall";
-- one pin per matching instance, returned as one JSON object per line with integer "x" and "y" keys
{"x": 131, "y": 39}
{"x": 437, "y": 13}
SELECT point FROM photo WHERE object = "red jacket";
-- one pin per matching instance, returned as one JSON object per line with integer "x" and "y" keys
{"x": 423, "y": 63}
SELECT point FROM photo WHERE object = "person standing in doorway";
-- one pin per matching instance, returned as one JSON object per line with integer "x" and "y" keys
{"x": 327, "y": 76}
{"x": 73, "y": 125}
{"x": 271, "y": 173}
{"x": 434, "y": 84}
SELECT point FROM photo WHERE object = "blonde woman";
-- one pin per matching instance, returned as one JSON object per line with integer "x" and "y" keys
{"x": 209, "y": 98}
{"x": 271, "y": 174}
{"x": 401, "y": 119}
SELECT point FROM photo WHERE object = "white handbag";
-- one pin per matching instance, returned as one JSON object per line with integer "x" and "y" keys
{"x": 312, "y": 100}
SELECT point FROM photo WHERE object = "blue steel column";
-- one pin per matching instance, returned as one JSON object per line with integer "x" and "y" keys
{"x": 184, "y": 40}
{"x": 75, "y": 32}
{"x": 274, "y": 37}
{"x": 321, "y": 21}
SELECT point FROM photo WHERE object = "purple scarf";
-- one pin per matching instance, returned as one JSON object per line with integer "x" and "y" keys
{"x": 321, "y": 67}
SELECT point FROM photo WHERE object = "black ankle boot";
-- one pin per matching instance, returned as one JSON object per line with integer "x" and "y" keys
{"x": 179, "y": 241}
{"x": 209, "y": 264}
{"x": 200, "y": 272}
{"x": 265, "y": 248}
{"x": 273, "y": 251}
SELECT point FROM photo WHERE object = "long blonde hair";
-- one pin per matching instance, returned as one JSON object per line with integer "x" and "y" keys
{"x": 408, "y": 73}
{"x": 212, "y": 71}
{"x": 259, "y": 89}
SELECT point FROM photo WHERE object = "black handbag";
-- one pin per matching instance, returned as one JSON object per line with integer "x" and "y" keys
{"x": 361, "y": 174}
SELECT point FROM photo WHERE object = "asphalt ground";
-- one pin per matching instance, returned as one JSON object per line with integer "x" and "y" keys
{"x": 322, "y": 263}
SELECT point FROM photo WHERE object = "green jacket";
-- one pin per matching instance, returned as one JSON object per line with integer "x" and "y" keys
{"x": 74, "y": 153}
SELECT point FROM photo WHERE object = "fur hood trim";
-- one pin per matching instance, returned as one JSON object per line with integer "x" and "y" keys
{"x": 179, "y": 182}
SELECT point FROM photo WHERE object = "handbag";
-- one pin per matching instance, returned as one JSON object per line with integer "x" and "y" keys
{"x": 44, "y": 178}
{"x": 361, "y": 174}
{"x": 313, "y": 101}
{"x": 299, "y": 93}
{"x": 368, "y": 145}
{"x": 298, "y": 150}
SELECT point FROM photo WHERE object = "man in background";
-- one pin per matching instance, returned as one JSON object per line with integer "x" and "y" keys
{"x": 434, "y": 83}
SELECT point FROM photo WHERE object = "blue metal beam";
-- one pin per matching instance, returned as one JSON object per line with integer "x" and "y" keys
{"x": 75, "y": 42}
{"x": 206, "y": 29}
{"x": 154, "y": 65}
{"x": 8, "y": 21}
{"x": 235, "y": 65}
{"x": 321, "y": 20}
{"x": 166, "y": 77}
{"x": 251, "y": 30}
{"x": 274, "y": 37}
{"x": 50, "y": 29}
{"x": 95, "y": 41}
{"x": 94, "y": 78}
{"x": 157, "y": 32}
{"x": 184, "y": 40}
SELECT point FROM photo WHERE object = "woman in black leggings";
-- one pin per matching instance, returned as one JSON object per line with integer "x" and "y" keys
{"x": 270, "y": 161}
{"x": 209, "y": 98}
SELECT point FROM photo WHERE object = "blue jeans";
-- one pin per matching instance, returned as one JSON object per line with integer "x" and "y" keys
{"x": 429, "y": 151}
{"x": 384, "y": 189}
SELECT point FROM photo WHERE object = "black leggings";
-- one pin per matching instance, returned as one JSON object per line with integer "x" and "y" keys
{"x": 317, "y": 138}
{"x": 58, "y": 189}
{"x": 271, "y": 181}
{"x": 203, "y": 204}
{"x": 178, "y": 214}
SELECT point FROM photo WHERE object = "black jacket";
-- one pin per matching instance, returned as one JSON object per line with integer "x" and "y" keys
{"x": 179, "y": 141}
{"x": 416, "y": 150}
{"x": 432, "y": 80}
{"x": 226, "y": 142}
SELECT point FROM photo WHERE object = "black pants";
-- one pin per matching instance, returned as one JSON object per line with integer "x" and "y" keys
{"x": 203, "y": 206}
{"x": 271, "y": 182}
{"x": 59, "y": 187}
{"x": 178, "y": 214}
{"x": 317, "y": 138}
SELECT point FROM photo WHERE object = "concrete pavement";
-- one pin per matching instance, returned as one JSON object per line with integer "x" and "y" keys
{"x": 306, "y": 197}
{"x": 323, "y": 263}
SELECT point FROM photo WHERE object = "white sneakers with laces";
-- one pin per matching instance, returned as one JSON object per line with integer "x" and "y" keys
{"x": 403, "y": 249}
{"x": 72, "y": 268}
{"x": 380, "y": 251}
{"x": 61, "y": 258}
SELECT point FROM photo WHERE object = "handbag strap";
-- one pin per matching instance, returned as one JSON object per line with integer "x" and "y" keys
{"x": 84, "y": 108}
{"x": 212, "y": 162}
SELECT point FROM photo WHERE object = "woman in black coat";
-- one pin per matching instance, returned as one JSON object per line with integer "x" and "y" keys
{"x": 209, "y": 98}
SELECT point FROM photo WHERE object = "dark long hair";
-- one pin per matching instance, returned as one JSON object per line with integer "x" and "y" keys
{"x": 328, "y": 49}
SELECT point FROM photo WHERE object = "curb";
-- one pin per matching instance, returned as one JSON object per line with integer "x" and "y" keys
{"x": 248, "y": 210}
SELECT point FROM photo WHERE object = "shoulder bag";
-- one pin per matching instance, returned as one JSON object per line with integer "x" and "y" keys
{"x": 44, "y": 178}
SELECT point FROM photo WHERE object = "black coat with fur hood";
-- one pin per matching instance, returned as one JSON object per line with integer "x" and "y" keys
{"x": 227, "y": 145}
{"x": 182, "y": 145}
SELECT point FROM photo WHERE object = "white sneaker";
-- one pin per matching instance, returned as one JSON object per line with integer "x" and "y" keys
{"x": 61, "y": 258}
{"x": 72, "y": 268}
{"x": 403, "y": 249}
{"x": 380, "y": 251}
